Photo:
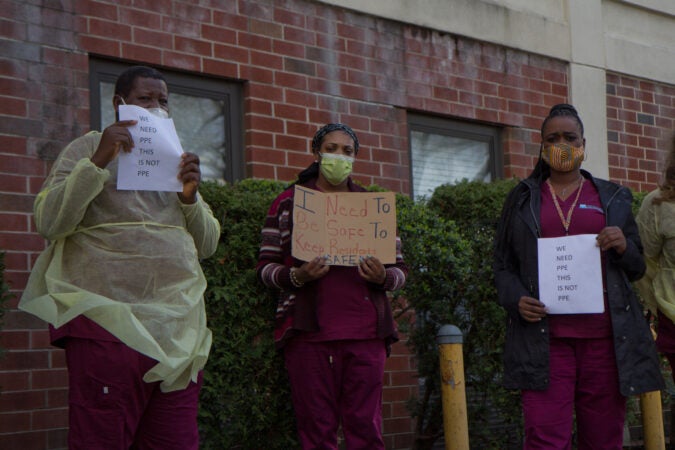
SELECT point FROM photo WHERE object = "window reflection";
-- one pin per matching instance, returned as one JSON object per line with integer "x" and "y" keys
{"x": 444, "y": 151}
{"x": 438, "y": 159}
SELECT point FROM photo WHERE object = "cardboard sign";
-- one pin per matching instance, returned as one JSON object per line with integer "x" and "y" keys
{"x": 344, "y": 226}
{"x": 152, "y": 164}
{"x": 570, "y": 275}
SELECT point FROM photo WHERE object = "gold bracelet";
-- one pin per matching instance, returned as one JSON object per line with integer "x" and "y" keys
{"x": 294, "y": 279}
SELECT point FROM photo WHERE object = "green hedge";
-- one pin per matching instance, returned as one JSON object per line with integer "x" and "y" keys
{"x": 447, "y": 243}
{"x": 494, "y": 413}
{"x": 245, "y": 401}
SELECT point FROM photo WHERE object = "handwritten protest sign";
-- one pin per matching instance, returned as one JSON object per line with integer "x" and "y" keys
{"x": 570, "y": 275}
{"x": 152, "y": 164}
{"x": 344, "y": 226}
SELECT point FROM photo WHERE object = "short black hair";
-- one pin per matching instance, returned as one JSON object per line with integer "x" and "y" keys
{"x": 125, "y": 82}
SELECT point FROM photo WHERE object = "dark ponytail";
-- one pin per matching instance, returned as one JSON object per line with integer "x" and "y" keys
{"x": 311, "y": 172}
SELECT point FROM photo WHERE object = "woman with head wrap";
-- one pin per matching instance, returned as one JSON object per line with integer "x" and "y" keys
{"x": 572, "y": 365}
{"x": 656, "y": 221}
{"x": 334, "y": 323}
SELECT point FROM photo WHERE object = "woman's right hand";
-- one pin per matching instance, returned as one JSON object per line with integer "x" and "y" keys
{"x": 115, "y": 138}
{"x": 312, "y": 270}
{"x": 531, "y": 309}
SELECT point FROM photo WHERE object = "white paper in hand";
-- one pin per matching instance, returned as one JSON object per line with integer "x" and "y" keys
{"x": 152, "y": 164}
{"x": 570, "y": 275}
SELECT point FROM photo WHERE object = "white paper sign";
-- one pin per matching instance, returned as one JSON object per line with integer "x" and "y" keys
{"x": 570, "y": 275}
{"x": 152, "y": 164}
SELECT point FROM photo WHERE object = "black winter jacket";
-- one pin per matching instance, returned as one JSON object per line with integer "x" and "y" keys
{"x": 526, "y": 354}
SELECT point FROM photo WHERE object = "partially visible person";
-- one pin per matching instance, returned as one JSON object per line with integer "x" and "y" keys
{"x": 571, "y": 366}
{"x": 656, "y": 221}
{"x": 121, "y": 286}
{"x": 334, "y": 323}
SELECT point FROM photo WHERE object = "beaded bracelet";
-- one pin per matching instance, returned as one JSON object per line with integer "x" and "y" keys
{"x": 294, "y": 279}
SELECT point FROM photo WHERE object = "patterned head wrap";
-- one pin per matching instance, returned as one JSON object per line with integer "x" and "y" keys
{"x": 328, "y": 128}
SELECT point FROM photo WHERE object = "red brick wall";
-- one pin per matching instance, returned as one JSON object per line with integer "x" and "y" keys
{"x": 303, "y": 64}
{"x": 640, "y": 126}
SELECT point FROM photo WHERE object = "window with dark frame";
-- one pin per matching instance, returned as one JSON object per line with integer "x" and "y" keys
{"x": 445, "y": 151}
{"x": 207, "y": 113}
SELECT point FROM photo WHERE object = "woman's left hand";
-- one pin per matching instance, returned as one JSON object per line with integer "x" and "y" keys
{"x": 612, "y": 237}
{"x": 190, "y": 175}
{"x": 371, "y": 269}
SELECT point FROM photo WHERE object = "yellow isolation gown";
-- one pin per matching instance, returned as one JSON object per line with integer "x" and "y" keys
{"x": 128, "y": 260}
{"x": 657, "y": 233}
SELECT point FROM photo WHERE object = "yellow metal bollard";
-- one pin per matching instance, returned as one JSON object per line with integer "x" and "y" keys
{"x": 652, "y": 420}
{"x": 453, "y": 390}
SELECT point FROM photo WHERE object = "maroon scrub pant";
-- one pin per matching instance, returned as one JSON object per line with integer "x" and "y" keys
{"x": 583, "y": 381}
{"x": 112, "y": 408}
{"x": 337, "y": 382}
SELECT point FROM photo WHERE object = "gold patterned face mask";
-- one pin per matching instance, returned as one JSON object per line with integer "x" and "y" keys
{"x": 562, "y": 157}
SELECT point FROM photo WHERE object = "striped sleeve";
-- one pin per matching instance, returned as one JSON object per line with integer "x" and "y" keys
{"x": 272, "y": 269}
{"x": 397, "y": 273}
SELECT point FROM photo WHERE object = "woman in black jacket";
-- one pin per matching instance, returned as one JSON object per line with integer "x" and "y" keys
{"x": 569, "y": 365}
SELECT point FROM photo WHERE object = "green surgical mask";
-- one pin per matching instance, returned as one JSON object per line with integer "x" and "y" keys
{"x": 335, "y": 168}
